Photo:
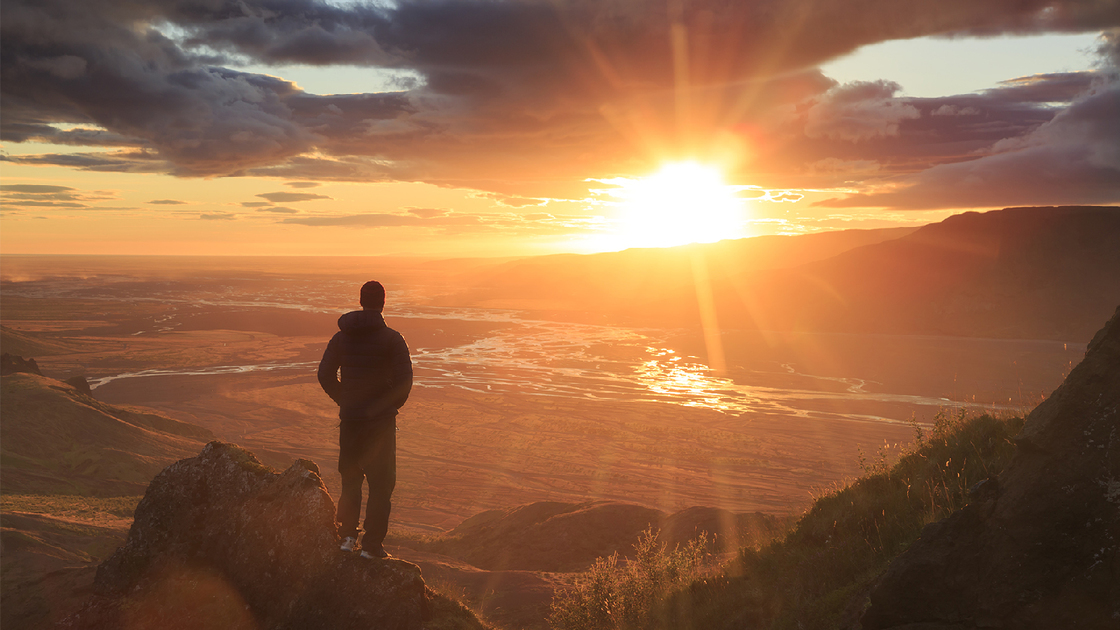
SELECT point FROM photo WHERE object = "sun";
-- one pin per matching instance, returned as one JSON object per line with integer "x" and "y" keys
{"x": 684, "y": 202}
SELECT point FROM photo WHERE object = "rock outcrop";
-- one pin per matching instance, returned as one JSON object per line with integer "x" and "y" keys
{"x": 12, "y": 364}
{"x": 81, "y": 384}
{"x": 1039, "y": 547}
{"x": 220, "y": 540}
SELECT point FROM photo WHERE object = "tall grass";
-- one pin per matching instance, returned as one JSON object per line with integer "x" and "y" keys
{"x": 625, "y": 594}
{"x": 818, "y": 576}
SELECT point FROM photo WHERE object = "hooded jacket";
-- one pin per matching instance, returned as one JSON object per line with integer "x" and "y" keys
{"x": 376, "y": 371}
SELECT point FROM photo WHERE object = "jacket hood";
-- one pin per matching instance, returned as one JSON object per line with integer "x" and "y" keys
{"x": 361, "y": 322}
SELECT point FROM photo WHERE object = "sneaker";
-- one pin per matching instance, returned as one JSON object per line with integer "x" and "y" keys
{"x": 348, "y": 543}
{"x": 376, "y": 554}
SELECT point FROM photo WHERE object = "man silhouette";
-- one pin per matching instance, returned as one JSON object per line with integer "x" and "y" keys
{"x": 376, "y": 378}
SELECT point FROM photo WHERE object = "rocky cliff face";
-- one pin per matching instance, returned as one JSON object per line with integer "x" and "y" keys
{"x": 1036, "y": 548}
{"x": 222, "y": 541}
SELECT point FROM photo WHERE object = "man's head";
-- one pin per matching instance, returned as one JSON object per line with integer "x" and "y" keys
{"x": 373, "y": 296}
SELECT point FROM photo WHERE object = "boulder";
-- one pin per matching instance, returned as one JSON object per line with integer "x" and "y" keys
{"x": 81, "y": 384}
{"x": 1036, "y": 548}
{"x": 220, "y": 540}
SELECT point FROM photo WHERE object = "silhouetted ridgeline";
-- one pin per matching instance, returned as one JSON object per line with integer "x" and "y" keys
{"x": 1032, "y": 273}
{"x": 221, "y": 541}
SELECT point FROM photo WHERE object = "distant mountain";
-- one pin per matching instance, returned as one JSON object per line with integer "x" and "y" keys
{"x": 619, "y": 284}
{"x": 1043, "y": 273}
{"x": 1040, "y": 273}
{"x": 57, "y": 440}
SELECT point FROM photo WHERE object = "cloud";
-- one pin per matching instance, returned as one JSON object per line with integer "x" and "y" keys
{"x": 783, "y": 196}
{"x": 278, "y": 210}
{"x": 1072, "y": 159}
{"x": 428, "y": 213}
{"x": 858, "y": 111}
{"x": 15, "y": 196}
{"x": 288, "y": 197}
{"x": 37, "y": 189}
{"x": 167, "y": 202}
{"x": 526, "y": 99}
{"x": 217, "y": 216}
{"x": 953, "y": 110}
{"x": 255, "y": 204}
{"x": 443, "y": 219}
{"x": 356, "y": 220}
{"x": 127, "y": 161}
{"x": 303, "y": 184}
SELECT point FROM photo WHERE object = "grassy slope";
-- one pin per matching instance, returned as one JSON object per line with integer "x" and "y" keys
{"x": 820, "y": 574}
{"x": 59, "y": 441}
{"x": 52, "y": 545}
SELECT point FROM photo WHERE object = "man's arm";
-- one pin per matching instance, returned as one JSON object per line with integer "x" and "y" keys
{"x": 402, "y": 373}
{"x": 328, "y": 372}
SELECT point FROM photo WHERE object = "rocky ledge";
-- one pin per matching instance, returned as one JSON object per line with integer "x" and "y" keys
{"x": 222, "y": 541}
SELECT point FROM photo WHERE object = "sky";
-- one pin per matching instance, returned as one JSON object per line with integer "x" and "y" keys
{"x": 505, "y": 128}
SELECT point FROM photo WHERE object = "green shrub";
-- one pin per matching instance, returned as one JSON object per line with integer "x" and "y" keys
{"x": 620, "y": 594}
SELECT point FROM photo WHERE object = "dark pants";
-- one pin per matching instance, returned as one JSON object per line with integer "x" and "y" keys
{"x": 367, "y": 450}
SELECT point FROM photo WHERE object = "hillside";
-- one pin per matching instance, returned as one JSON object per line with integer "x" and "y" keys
{"x": 57, "y": 440}
{"x": 71, "y": 469}
{"x": 982, "y": 523}
{"x": 565, "y": 537}
{"x": 1036, "y": 273}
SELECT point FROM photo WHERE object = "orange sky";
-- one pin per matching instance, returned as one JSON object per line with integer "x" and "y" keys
{"x": 466, "y": 129}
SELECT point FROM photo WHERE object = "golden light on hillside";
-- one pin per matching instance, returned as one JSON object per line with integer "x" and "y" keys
{"x": 684, "y": 202}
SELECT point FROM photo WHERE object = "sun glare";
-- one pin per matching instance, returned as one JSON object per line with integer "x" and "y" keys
{"x": 684, "y": 202}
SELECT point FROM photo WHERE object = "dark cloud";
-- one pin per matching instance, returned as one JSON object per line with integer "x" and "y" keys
{"x": 14, "y": 196}
{"x": 255, "y": 204}
{"x": 1074, "y": 158}
{"x": 887, "y": 149}
{"x": 167, "y": 202}
{"x": 217, "y": 217}
{"x": 36, "y": 203}
{"x": 285, "y": 196}
{"x": 139, "y": 161}
{"x": 36, "y": 189}
{"x": 88, "y": 137}
{"x": 523, "y": 98}
{"x": 302, "y": 184}
{"x": 858, "y": 111}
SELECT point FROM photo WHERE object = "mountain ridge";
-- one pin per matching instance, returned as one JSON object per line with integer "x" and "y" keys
{"x": 1030, "y": 273}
